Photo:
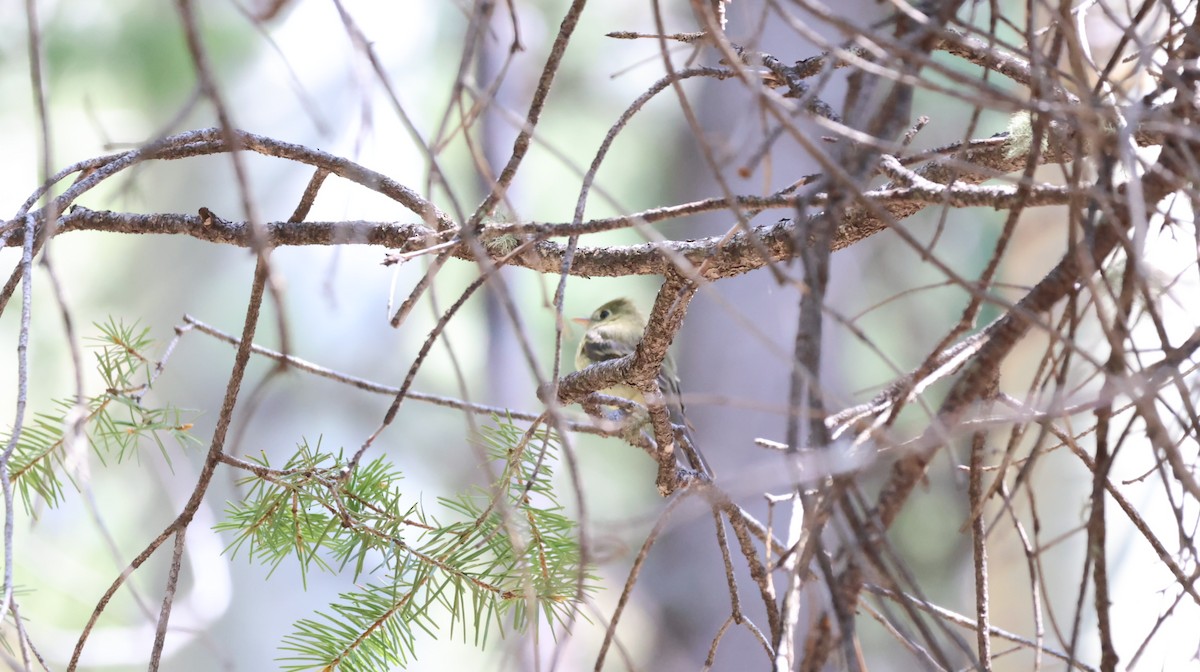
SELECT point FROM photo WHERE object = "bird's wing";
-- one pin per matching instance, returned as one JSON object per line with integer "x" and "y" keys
{"x": 668, "y": 382}
{"x": 599, "y": 347}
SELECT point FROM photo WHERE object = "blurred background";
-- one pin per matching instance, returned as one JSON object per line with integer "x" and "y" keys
{"x": 118, "y": 74}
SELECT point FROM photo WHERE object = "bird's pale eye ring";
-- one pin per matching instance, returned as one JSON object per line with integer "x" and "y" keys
{"x": 603, "y": 315}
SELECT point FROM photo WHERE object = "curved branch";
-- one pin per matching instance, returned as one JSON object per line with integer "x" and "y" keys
{"x": 208, "y": 141}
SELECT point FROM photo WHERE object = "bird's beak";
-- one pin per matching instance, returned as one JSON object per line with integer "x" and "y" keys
{"x": 580, "y": 320}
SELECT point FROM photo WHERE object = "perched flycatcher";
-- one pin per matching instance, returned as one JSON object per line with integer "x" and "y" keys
{"x": 613, "y": 331}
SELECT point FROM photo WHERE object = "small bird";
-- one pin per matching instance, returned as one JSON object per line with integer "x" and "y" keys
{"x": 613, "y": 331}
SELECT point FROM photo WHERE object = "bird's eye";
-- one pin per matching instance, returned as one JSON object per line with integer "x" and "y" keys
{"x": 603, "y": 315}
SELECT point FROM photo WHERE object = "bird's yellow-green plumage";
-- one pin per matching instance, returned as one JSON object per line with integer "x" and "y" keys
{"x": 614, "y": 330}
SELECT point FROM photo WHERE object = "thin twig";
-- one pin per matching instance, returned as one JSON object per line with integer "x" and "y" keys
{"x": 959, "y": 619}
